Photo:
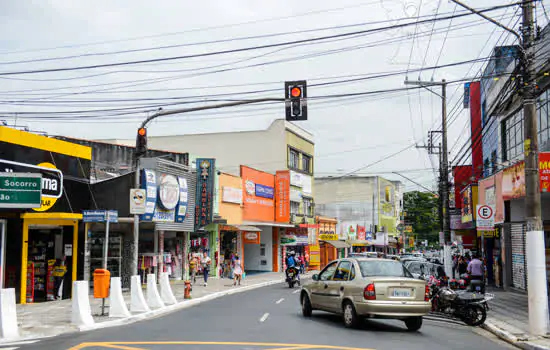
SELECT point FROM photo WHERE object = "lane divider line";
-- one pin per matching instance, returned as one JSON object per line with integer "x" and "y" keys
{"x": 280, "y": 301}
{"x": 296, "y": 291}
{"x": 264, "y": 317}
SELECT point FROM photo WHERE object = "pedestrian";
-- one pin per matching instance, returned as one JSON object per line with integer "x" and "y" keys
{"x": 306, "y": 258}
{"x": 476, "y": 269}
{"x": 462, "y": 266}
{"x": 206, "y": 262}
{"x": 59, "y": 271}
{"x": 237, "y": 271}
{"x": 193, "y": 267}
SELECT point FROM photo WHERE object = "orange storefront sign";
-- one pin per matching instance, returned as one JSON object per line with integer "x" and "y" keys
{"x": 258, "y": 195}
{"x": 544, "y": 171}
{"x": 251, "y": 237}
{"x": 282, "y": 196}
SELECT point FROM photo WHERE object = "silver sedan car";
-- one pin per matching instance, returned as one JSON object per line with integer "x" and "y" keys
{"x": 360, "y": 288}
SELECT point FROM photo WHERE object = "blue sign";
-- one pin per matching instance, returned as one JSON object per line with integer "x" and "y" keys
{"x": 264, "y": 191}
{"x": 369, "y": 236}
{"x": 181, "y": 209}
{"x": 99, "y": 215}
{"x": 204, "y": 201}
{"x": 149, "y": 183}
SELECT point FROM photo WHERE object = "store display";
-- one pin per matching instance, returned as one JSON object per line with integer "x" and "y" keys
{"x": 30, "y": 282}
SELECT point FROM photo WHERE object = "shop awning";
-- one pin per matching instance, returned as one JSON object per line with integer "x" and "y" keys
{"x": 248, "y": 228}
{"x": 267, "y": 223}
{"x": 338, "y": 244}
{"x": 360, "y": 243}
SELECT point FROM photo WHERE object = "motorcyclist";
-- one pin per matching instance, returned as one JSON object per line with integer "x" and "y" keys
{"x": 292, "y": 262}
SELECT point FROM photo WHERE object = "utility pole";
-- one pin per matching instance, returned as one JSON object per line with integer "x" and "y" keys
{"x": 536, "y": 261}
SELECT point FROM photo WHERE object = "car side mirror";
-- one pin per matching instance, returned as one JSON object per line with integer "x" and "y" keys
{"x": 315, "y": 277}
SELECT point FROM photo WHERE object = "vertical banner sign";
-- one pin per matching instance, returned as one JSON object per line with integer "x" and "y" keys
{"x": 282, "y": 196}
{"x": 204, "y": 197}
{"x": 149, "y": 183}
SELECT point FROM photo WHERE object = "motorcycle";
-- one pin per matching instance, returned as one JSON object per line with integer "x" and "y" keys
{"x": 470, "y": 284}
{"x": 292, "y": 276}
{"x": 470, "y": 308}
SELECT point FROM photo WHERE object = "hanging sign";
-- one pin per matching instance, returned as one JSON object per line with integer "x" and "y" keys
{"x": 204, "y": 194}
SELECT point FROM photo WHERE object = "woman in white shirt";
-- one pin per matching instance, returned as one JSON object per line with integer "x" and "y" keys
{"x": 237, "y": 271}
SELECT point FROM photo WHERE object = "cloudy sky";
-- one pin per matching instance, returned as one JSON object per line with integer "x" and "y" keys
{"x": 174, "y": 54}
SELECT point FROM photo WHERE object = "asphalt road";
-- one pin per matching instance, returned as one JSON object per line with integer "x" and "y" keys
{"x": 267, "y": 318}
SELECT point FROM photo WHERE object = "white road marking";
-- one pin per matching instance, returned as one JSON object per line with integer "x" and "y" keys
{"x": 22, "y": 342}
{"x": 264, "y": 317}
{"x": 9, "y": 348}
{"x": 296, "y": 291}
{"x": 279, "y": 301}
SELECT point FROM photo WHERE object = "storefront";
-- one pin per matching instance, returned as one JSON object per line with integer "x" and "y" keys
{"x": 329, "y": 241}
{"x": 167, "y": 229}
{"x": 39, "y": 238}
{"x": 261, "y": 248}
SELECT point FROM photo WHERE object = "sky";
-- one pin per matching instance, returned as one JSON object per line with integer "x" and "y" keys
{"x": 186, "y": 47}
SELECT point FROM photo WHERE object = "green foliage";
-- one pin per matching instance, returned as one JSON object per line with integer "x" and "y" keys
{"x": 422, "y": 214}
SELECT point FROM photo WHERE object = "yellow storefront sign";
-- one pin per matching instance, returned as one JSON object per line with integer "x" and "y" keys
{"x": 328, "y": 237}
{"x": 490, "y": 233}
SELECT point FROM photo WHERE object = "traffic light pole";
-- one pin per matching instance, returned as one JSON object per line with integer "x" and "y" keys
{"x": 536, "y": 262}
{"x": 137, "y": 155}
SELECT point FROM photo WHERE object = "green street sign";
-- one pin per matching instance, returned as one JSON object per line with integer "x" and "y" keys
{"x": 20, "y": 190}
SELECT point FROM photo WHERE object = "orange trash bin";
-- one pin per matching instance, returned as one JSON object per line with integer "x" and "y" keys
{"x": 102, "y": 281}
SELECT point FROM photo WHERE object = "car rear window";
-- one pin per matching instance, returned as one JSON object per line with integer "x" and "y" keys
{"x": 383, "y": 268}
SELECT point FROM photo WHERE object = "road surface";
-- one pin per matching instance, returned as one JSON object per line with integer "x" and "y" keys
{"x": 266, "y": 318}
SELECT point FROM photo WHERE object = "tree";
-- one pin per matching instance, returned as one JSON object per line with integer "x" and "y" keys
{"x": 422, "y": 214}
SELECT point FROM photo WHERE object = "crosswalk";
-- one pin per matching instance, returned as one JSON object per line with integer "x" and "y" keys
{"x": 16, "y": 344}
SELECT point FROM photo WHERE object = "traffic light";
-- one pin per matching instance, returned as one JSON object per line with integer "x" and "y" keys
{"x": 296, "y": 100}
{"x": 141, "y": 142}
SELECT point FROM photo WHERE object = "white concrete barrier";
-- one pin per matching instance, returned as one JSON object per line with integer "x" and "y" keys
{"x": 138, "y": 303}
{"x": 166, "y": 291}
{"x": 153, "y": 298}
{"x": 8, "y": 314}
{"x": 81, "y": 310}
{"x": 117, "y": 305}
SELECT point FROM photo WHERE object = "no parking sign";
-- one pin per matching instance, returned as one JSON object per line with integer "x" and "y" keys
{"x": 485, "y": 220}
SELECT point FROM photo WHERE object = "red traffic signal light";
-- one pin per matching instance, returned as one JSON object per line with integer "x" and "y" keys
{"x": 142, "y": 131}
{"x": 296, "y": 100}
{"x": 296, "y": 92}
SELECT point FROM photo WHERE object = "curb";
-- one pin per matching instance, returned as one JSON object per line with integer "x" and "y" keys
{"x": 512, "y": 339}
{"x": 171, "y": 308}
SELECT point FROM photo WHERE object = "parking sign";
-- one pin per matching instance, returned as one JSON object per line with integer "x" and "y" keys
{"x": 485, "y": 220}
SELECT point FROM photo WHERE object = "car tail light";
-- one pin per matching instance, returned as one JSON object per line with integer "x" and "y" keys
{"x": 427, "y": 293}
{"x": 369, "y": 293}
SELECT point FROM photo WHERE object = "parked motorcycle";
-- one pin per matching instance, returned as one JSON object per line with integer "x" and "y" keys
{"x": 466, "y": 282}
{"x": 292, "y": 276}
{"x": 471, "y": 308}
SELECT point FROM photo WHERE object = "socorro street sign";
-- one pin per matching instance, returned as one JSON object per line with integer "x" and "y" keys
{"x": 485, "y": 217}
{"x": 20, "y": 190}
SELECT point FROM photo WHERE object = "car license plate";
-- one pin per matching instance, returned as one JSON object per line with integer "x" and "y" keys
{"x": 402, "y": 293}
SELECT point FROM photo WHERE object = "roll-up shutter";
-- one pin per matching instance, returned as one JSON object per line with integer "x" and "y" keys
{"x": 519, "y": 263}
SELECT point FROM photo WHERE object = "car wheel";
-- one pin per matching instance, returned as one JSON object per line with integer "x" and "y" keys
{"x": 306, "y": 306}
{"x": 413, "y": 324}
{"x": 351, "y": 320}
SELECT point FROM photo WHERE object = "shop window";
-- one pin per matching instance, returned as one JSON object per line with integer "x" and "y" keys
{"x": 308, "y": 209}
{"x": 293, "y": 159}
{"x": 306, "y": 163}
{"x": 294, "y": 207}
{"x": 262, "y": 249}
{"x": 493, "y": 162}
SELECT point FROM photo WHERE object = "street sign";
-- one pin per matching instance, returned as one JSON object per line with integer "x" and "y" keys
{"x": 99, "y": 215}
{"x": 137, "y": 201}
{"x": 485, "y": 217}
{"x": 20, "y": 190}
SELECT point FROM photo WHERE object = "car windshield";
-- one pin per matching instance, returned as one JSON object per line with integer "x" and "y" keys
{"x": 384, "y": 268}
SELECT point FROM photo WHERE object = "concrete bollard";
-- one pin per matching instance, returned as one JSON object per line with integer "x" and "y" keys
{"x": 8, "y": 314}
{"x": 153, "y": 298}
{"x": 138, "y": 303}
{"x": 117, "y": 305}
{"x": 81, "y": 310}
{"x": 166, "y": 291}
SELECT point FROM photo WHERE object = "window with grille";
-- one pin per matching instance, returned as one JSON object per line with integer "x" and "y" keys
{"x": 308, "y": 208}
{"x": 306, "y": 163}
{"x": 293, "y": 159}
{"x": 294, "y": 207}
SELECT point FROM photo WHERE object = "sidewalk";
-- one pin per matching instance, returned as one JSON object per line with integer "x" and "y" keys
{"x": 54, "y": 317}
{"x": 508, "y": 318}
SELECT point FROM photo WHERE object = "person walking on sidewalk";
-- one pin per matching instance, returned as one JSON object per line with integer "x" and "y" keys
{"x": 462, "y": 266}
{"x": 475, "y": 269}
{"x": 206, "y": 262}
{"x": 237, "y": 271}
{"x": 59, "y": 271}
{"x": 193, "y": 267}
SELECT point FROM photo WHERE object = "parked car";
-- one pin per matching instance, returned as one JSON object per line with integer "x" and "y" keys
{"x": 419, "y": 268}
{"x": 359, "y": 288}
